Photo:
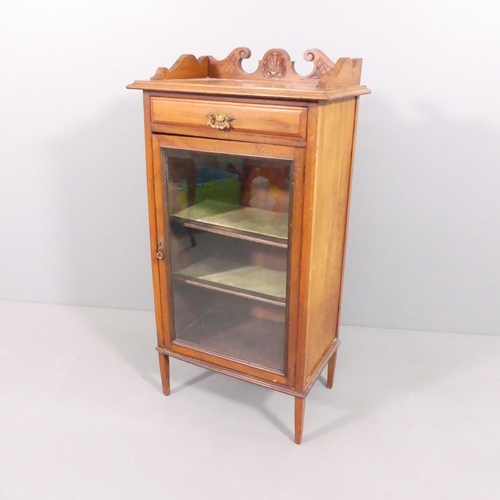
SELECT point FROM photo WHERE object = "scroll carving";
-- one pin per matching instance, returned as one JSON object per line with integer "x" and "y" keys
{"x": 230, "y": 67}
{"x": 275, "y": 65}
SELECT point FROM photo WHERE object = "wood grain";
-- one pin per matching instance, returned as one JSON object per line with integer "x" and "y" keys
{"x": 331, "y": 371}
{"x": 300, "y": 407}
{"x": 294, "y": 262}
{"x": 275, "y": 64}
{"x": 228, "y": 147}
{"x": 160, "y": 201}
{"x": 323, "y": 260}
{"x": 320, "y": 367}
{"x": 248, "y": 118}
{"x": 249, "y": 149}
{"x": 267, "y": 89}
{"x": 152, "y": 220}
{"x": 210, "y": 133}
{"x": 235, "y": 371}
{"x": 275, "y": 77}
{"x": 162, "y": 128}
{"x": 250, "y": 371}
{"x": 165, "y": 373}
{"x": 309, "y": 120}
{"x": 305, "y": 249}
{"x": 187, "y": 66}
{"x": 346, "y": 73}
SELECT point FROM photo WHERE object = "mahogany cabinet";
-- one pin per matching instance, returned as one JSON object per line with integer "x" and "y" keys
{"x": 248, "y": 186}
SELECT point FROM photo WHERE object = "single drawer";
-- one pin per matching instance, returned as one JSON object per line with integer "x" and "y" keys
{"x": 263, "y": 119}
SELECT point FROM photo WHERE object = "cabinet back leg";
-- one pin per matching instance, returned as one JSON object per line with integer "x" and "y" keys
{"x": 331, "y": 370}
{"x": 300, "y": 405}
{"x": 165, "y": 373}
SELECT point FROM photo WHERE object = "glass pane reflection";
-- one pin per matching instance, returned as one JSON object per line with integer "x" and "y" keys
{"x": 228, "y": 220}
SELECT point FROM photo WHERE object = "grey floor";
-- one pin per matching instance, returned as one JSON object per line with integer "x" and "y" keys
{"x": 412, "y": 415}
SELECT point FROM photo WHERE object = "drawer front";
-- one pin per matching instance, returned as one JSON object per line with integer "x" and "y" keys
{"x": 271, "y": 120}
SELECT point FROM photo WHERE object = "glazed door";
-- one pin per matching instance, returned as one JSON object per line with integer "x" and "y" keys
{"x": 229, "y": 228}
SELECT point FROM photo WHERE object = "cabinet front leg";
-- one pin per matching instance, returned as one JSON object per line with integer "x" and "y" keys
{"x": 331, "y": 370}
{"x": 165, "y": 373}
{"x": 300, "y": 405}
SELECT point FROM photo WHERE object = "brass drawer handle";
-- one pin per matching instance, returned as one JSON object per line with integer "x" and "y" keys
{"x": 220, "y": 121}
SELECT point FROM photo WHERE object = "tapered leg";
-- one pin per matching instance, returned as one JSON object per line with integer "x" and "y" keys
{"x": 165, "y": 373}
{"x": 331, "y": 370}
{"x": 300, "y": 406}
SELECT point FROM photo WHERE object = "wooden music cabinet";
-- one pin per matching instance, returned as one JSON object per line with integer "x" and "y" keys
{"x": 248, "y": 182}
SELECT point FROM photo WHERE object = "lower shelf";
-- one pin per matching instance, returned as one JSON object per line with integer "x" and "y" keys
{"x": 243, "y": 338}
{"x": 226, "y": 276}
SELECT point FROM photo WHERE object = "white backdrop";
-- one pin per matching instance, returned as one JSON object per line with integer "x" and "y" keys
{"x": 424, "y": 238}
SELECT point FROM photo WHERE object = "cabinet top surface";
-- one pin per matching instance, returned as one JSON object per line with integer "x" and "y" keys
{"x": 275, "y": 77}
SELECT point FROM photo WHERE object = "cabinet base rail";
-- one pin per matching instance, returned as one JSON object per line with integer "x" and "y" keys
{"x": 248, "y": 378}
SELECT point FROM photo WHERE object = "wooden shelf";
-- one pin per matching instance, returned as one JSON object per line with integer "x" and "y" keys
{"x": 253, "y": 282}
{"x": 240, "y": 337}
{"x": 246, "y": 223}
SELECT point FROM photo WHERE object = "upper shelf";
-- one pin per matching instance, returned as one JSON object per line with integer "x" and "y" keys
{"x": 239, "y": 222}
{"x": 275, "y": 77}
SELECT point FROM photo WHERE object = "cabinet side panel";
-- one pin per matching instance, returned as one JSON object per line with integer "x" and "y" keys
{"x": 334, "y": 151}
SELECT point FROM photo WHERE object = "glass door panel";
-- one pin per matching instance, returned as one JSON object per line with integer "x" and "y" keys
{"x": 227, "y": 226}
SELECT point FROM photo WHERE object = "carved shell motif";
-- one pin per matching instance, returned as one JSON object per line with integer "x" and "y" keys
{"x": 274, "y": 65}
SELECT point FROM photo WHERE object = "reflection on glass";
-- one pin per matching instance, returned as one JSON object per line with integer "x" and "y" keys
{"x": 228, "y": 219}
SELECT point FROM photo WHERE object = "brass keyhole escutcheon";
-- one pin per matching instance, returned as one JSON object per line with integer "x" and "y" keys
{"x": 159, "y": 248}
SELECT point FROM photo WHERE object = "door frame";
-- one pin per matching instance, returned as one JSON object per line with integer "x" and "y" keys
{"x": 163, "y": 293}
